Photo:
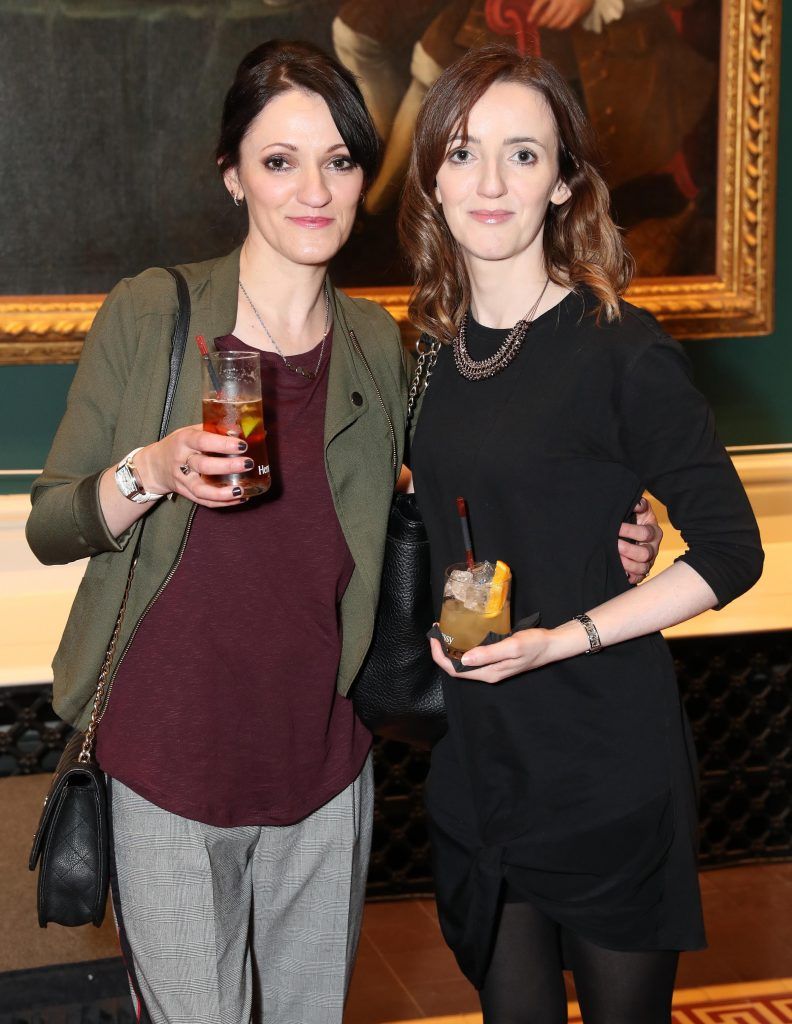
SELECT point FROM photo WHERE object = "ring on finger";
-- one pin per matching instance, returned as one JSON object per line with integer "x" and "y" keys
{"x": 185, "y": 467}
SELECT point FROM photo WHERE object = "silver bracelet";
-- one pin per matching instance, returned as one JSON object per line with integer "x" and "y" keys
{"x": 595, "y": 644}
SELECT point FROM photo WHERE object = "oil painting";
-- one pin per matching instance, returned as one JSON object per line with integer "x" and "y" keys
{"x": 112, "y": 108}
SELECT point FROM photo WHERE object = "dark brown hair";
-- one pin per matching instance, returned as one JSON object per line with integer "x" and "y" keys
{"x": 582, "y": 245}
{"x": 276, "y": 67}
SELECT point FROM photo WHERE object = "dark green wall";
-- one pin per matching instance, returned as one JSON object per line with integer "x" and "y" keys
{"x": 32, "y": 401}
{"x": 748, "y": 380}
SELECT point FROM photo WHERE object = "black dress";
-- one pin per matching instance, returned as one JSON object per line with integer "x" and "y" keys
{"x": 573, "y": 786}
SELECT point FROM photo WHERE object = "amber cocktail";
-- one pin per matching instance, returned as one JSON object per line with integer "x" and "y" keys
{"x": 475, "y": 602}
{"x": 236, "y": 410}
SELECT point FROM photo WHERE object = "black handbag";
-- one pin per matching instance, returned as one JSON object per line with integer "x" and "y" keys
{"x": 72, "y": 839}
{"x": 398, "y": 693}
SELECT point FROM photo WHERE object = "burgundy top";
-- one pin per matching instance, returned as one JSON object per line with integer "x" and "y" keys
{"x": 224, "y": 708}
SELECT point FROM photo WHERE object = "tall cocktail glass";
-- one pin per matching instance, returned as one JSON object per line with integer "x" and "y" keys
{"x": 232, "y": 407}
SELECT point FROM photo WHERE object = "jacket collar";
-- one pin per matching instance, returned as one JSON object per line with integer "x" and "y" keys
{"x": 223, "y": 295}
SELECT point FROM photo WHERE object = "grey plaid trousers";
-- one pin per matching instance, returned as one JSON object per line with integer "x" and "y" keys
{"x": 233, "y": 925}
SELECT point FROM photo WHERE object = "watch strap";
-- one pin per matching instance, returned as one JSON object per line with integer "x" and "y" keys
{"x": 139, "y": 493}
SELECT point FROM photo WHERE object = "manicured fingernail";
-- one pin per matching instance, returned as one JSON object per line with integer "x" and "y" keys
{"x": 465, "y": 660}
{"x": 248, "y": 463}
{"x": 237, "y": 491}
{"x": 243, "y": 446}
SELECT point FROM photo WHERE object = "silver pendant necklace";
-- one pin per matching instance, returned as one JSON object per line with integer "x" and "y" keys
{"x": 472, "y": 369}
{"x": 310, "y": 375}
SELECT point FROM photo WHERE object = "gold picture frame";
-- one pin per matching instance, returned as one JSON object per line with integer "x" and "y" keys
{"x": 736, "y": 300}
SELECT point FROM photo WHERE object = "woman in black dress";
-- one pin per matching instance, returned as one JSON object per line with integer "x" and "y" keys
{"x": 562, "y": 800}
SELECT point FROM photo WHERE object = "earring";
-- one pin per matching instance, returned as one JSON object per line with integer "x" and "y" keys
{"x": 237, "y": 199}
{"x": 362, "y": 198}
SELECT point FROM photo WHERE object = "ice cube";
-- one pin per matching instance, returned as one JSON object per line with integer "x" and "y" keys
{"x": 457, "y": 584}
{"x": 475, "y": 599}
{"x": 483, "y": 573}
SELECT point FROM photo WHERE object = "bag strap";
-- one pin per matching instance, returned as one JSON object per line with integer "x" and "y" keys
{"x": 178, "y": 345}
{"x": 427, "y": 349}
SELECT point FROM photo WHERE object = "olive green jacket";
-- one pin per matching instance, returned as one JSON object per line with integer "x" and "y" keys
{"x": 115, "y": 404}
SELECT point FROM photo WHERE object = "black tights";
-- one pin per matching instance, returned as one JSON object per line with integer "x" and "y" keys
{"x": 525, "y": 984}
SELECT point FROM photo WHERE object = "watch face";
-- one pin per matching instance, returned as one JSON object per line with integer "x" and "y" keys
{"x": 126, "y": 481}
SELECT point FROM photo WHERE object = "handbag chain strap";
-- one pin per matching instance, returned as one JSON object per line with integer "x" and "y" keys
{"x": 178, "y": 345}
{"x": 86, "y": 753}
{"x": 427, "y": 357}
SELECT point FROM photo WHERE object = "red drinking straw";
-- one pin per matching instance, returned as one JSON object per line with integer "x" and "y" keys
{"x": 200, "y": 341}
{"x": 463, "y": 518}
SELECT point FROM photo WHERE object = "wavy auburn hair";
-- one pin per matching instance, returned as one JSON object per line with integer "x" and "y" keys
{"x": 582, "y": 245}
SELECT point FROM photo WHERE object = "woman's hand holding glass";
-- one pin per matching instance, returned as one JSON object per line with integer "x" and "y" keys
{"x": 638, "y": 545}
{"x": 526, "y": 650}
{"x": 179, "y": 462}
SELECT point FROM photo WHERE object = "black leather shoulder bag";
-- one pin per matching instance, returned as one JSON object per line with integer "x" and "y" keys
{"x": 72, "y": 839}
{"x": 398, "y": 692}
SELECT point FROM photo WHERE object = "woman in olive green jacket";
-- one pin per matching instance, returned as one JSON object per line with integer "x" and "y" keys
{"x": 125, "y": 362}
{"x": 240, "y": 779}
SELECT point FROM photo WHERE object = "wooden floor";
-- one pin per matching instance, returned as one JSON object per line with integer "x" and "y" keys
{"x": 404, "y": 971}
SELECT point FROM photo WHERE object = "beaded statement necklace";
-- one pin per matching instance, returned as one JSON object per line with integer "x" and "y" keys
{"x": 472, "y": 369}
{"x": 310, "y": 374}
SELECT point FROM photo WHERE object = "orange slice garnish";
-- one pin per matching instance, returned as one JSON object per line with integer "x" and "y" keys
{"x": 498, "y": 589}
{"x": 249, "y": 424}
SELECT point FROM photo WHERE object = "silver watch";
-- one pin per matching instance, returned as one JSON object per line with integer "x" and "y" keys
{"x": 128, "y": 481}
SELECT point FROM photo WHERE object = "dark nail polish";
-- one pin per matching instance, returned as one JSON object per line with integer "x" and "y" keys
{"x": 249, "y": 463}
{"x": 243, "y": 446}
{"x": 237, "y": 492}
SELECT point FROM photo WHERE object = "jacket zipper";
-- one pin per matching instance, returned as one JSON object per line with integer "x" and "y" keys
{"x": 146, "y": 610}
{"x": 379, "y": 396}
